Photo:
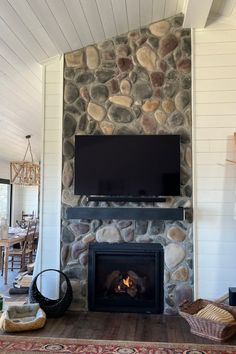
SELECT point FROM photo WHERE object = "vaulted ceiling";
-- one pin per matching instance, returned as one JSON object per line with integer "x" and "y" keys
{"x": 32, "y": 31}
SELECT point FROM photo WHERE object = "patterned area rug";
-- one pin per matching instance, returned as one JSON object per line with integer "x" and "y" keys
{"x": 20, "y": 344}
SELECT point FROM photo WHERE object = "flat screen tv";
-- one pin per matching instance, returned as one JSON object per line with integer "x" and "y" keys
{"x": 127, "y": 165}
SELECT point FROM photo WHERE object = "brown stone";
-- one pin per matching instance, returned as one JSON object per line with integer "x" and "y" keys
{"x": 176, "y": 234}
{"x": 108, "y": 234}
{"x": 75, "y": 59}
{"x": 134, "y": 36}
{"x": 168, "y": 106}
{"x": 65, "y": 252}
{"x": 88, "y": 238}
{"x": 184, "y": 66}
{"x": 167, "y": 45}
{"x": 162, "y": 65}
{"x": 67, "y": 175}
{"x": 113, "y": 85}
{"x": 125, "y": 87}
{"x": 96, "y": 111}
{"x": 92, "y": 57}
{"x": 122, "y": 50}
{"x": 125, "y": 64}
{"x": 149, "y": 124}
{"x": 181, "y": 274}
{"x": 157, "y": 78}
{"x": 160, "y": 117}
{"x": 150, "y": 105}
{"x": 160, "y": 28}
{"x": 107, "y": 128}
{"x": 174, "y": 254}
{"x": 69, "y": 198}
{"x": 84, "y": 93}
{"x": 121, "y": 100}
{"x": 108, "y": 54}
{"x": 188, "y": 156}
{"x": 147, "y": 58}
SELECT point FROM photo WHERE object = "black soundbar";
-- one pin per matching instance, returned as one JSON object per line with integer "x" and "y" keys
{"x": 96, "y": 198}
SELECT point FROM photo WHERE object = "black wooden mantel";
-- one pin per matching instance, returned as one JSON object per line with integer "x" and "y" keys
{"x": 120, "y": 213}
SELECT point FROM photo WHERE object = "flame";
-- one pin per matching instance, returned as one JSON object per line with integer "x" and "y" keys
{"x": 127, "y": 282}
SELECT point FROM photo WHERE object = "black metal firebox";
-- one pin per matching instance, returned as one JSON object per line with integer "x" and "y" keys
{"x": 126, "y": 277}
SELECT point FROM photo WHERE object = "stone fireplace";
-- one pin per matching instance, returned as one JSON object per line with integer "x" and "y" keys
{"x": 136, "y": 83}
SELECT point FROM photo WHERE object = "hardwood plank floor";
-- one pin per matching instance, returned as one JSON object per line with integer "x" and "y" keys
{"x": 120, "y": 326}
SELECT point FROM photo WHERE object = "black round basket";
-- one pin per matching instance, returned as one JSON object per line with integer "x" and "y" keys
{"x": 52, "y": 308}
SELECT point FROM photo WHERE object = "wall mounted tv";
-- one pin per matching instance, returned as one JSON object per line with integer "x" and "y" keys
{"x": 127, "y": 165}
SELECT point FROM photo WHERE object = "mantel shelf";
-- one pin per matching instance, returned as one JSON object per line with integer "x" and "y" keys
{"x": 124, "y": 213}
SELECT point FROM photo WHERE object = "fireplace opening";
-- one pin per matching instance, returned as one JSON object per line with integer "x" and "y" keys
{"x": 125, "y": 277}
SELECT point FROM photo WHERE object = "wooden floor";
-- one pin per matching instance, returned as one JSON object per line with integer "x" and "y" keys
{"x": 121, "y": 326}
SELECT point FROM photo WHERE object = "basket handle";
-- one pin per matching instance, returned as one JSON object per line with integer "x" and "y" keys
{"x": 53, "y": 270}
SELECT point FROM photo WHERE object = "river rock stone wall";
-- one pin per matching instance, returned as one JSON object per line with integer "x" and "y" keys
{"x": 136, "y": 83}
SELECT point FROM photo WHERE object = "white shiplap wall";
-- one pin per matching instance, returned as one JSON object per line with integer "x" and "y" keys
{"x": 214, "y": 123}
{"x": 50, "y": 193}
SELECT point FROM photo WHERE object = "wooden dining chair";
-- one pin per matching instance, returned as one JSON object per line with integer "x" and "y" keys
{"x": 24, "y": 254}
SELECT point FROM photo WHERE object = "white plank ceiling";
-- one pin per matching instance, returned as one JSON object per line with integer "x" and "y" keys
{"x": 32, "y": 31}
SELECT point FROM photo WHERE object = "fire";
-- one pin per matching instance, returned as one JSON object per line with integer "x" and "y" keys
{"x": 127, "y": 282}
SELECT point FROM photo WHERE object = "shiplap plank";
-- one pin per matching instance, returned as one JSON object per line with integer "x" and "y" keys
{"x": 217, "y": 96}
{"x": 48, "y": 21}
{"x": 9, "y": 15}
{"x": 205, "y": 209}
{"x": 215, "y": 73}
{"x": 62, "y": 16}
{"x": 12, "y": 89}
{"x": 216, "y": 183}
{"x": 220, "y": 170}
{"x": 80, "y": 22}
{"x": 16, "y": 62}
{"x": 133, "y": 12}
{"x": 202, "y": 146}
{"x": 216, "y": 48}
{"x": 215, "y": 85}
{"x": 215, "y": 60}
{"x": 214, "y": 133}
{"x": 120, "y": 13}
{"x": 145, "y": 12}
{"x": 32, "y": 22}
{"x": 223, "y": 249}
{"x": 215, "y": 36}
{"x": 158, "y": 10}
{"x": 223, "y": 145}
{"x": 16, "y": 76}
{"x": 93, "y": 17}
{"x": 218, "y": 262}
{"x": 170, "y": 8}
{"x": 214, "y": 158}
{"x": 216, "y": 121}
{"x": 9, "y": 37}
{"x": 216, "y": 108}
{"x": 107, "y": 17}
{"x": 218, "y": 220}
{"x": 215, "y": 234}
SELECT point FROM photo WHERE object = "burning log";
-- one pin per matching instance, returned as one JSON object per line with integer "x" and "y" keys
{"x": 132, "y": 284}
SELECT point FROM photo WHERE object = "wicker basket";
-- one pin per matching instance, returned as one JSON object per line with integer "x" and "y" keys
{"x": 53, "y": 308}
{"x": 206, "y": 328}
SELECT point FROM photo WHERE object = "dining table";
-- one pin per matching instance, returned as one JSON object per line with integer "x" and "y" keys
{"x": 5, "y": 245}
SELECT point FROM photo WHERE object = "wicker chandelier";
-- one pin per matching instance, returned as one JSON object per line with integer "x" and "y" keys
{"x": 24, "y": 172}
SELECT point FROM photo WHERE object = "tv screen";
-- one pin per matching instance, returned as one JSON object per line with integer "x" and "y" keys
{"x": 127, "y": 165}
